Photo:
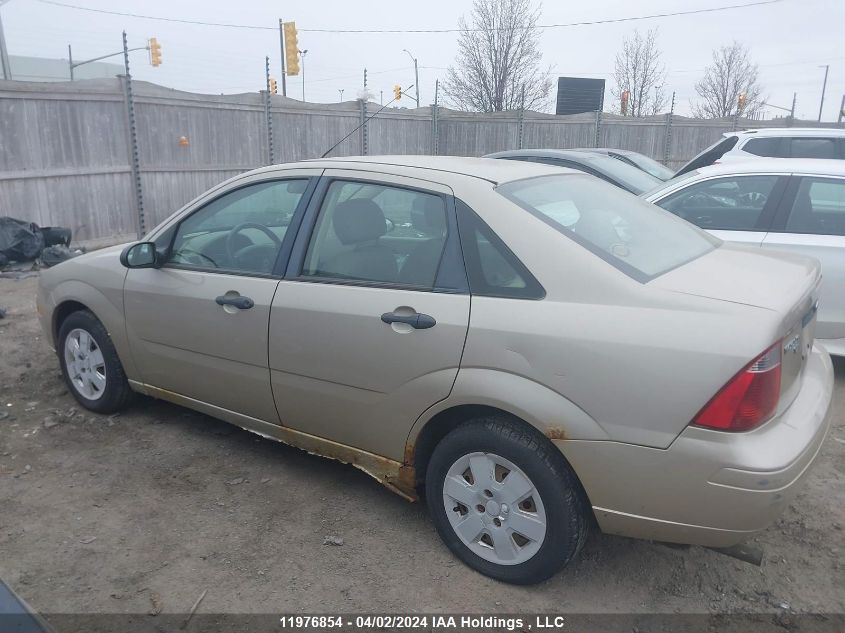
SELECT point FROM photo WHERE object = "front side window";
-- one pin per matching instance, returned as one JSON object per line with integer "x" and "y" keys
{"x": 377, "y": 233}
{"x": 732, "y": 203}
{"x": 819, "y": 207}
{"x": 813, "y": 148}
{"x": 636, "y": 237}
{"x": 241, "y": 231}
{"x": 770, "y": 147}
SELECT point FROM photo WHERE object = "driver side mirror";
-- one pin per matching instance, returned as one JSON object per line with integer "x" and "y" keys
{"x": 141, "y": 255}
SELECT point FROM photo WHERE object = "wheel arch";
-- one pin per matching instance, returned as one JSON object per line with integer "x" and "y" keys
{"x": 73, "y": 295}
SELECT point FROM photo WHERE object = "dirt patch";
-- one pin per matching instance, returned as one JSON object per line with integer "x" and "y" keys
{"x": 143, "y": 511}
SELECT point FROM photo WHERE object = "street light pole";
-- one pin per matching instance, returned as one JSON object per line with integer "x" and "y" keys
{"x": 340, "y": 90}
{"x": 302, "y": 63}
{"x": 4, "y": 55}
{"x": 824, "y": 87}
{"x": 416, "y": 75}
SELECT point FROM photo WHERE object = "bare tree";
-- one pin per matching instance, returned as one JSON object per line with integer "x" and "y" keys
{"x": 730, "y": 75}
{"x": 639, "y": 76}
{"x": 498, "y": 57}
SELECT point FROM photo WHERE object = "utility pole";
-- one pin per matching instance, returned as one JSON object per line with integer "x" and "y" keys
{"x": 302, "y": 58}
{"x": 4, "y": 55}
{"x": 824, "y": 87}
{"x": 282, "y": 57}
{"x": 70, "y": 61}
{"x": 792, "y": 112}
{"x": 381, "y": 98}
{"x": 134, "y": 154}
{"x": 416, "y": 76}
{"x": 841, "y": 110}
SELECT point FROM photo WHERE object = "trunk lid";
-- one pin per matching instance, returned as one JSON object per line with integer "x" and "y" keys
{"x": 785, "y": 283}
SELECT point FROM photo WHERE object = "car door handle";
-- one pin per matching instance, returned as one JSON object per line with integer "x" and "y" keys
{"x": 242, "y": 303}
{"x": 416, "y": 320}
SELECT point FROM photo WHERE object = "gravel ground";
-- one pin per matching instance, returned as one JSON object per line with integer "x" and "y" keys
{"x": 143, "y": 511}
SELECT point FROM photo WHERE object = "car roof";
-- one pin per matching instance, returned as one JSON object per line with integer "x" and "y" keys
{"x": 788, "y": 131}
{"x": 815, "y": 166}
{"x": 494, "y": 171}
{"x": 607, "y": 150}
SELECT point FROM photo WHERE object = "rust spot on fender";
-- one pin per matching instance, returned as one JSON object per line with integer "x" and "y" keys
{"x": 555, "y": 434}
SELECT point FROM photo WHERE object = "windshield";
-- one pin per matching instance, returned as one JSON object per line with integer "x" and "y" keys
{"x": 650, "y": 166}
{"x": 638, "y": 238}
{"x": 632, "y": 178}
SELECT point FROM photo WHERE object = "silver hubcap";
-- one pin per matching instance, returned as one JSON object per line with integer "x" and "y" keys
{"x": 494, "y": 508}
{"x": 86, "y": 367}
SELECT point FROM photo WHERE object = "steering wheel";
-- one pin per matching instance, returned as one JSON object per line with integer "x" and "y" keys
{"x": 231, "y": 248}
{"x": 753, "y": 198}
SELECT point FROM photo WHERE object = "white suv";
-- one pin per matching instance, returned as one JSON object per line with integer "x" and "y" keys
{"x": 772, "y": 143}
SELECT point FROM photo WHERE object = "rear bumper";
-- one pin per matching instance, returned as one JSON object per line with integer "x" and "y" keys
{"x": 709, "y": 487}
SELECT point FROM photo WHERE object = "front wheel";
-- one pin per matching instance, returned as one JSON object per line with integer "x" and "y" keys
{"x": 505, "y": 501}
{"x": 90, "y": 365}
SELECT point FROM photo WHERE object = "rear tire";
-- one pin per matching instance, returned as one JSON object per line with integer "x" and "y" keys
{"x": 90, "y": 365}
{"x": 505, "y": 501}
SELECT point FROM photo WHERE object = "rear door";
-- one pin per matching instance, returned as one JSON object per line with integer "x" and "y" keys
{"x": 368, "y": 327}
{"x": 811, "y": 221}
{"x": 735, "y": 208}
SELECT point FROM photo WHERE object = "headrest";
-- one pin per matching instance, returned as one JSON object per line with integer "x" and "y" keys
{"x": 428, "y": 215}
{"x": 357, "y": 221}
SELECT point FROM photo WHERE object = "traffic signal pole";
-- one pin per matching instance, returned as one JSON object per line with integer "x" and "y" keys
{"x": 282, "y": 56}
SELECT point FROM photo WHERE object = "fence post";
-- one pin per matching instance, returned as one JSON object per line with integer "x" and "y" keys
{"x": 365, "y": 134}
{"x": 268, "y": 115}
{"x": 435, "y": 119}
{"x": 598, "y": 128}
{"x": 522, "y": 118}
{"x": 667, "y": 140}
{"x": 134, "y": 156}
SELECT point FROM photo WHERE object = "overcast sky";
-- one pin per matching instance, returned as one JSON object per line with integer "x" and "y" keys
{"x": 789, "y": 40}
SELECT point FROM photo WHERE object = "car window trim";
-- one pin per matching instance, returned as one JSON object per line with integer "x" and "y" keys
{"x": 788, "y": 202}
{"x": 308, "y": 224}
{"x": 287, "y": 240}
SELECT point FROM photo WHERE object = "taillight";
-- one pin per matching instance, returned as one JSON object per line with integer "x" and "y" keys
{"x": 749, "y": 399}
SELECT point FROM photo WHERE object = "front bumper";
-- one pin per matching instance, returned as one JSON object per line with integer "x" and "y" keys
{"x": 708, "y": 487}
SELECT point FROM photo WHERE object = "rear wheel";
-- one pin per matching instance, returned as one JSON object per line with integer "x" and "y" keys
{"x": 505, "y": 501}
{"x": 90, "y": 365}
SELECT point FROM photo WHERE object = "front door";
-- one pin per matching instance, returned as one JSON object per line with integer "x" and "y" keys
{"x": 198, "y": 325}
{"x": 367, "y": 329}
{"x": 736, "y": 208}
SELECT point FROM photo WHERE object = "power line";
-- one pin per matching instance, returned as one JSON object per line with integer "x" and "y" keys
{"x": 452, "y": 30}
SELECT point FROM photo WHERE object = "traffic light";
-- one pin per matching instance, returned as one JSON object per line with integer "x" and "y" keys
{"x": 155, "y": 52}
{"x": 741, "y": 101}
{"x": 397, "y": 92}
{"x": 291, "y": 48}
{"x": 624, "y": 98}
{"x": 274, "y": 86}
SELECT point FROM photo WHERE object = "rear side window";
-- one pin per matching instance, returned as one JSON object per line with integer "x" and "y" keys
{"x": 770, "y": 147}
{"x": 819, "y": 207}
{"x": 813, "y": 148}
{"x": 638, "y": 238}
{"x": 492, "y": 268}
{"x": 732, "y": 203}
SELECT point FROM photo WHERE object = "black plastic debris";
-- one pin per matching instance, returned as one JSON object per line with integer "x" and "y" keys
{"x": 20, "y": 241}
{"x": 54, "y": 235}
{"x": 56, "y": 254}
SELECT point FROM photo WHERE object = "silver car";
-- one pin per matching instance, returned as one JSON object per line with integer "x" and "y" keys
{"x": 774, "y": 204}
{"x": 527, "y": 347}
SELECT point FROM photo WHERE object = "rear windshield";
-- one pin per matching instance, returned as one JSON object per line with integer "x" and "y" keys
{"x": 710, "y": 155}
{"x": 638, "y": 238}
{"x": 632, "y": 178}
{"x": 650, "y": 166}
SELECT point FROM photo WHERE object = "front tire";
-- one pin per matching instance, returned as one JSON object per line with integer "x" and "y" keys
{"x": 505, "y": 501}
{"x": 90, "y": 365}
